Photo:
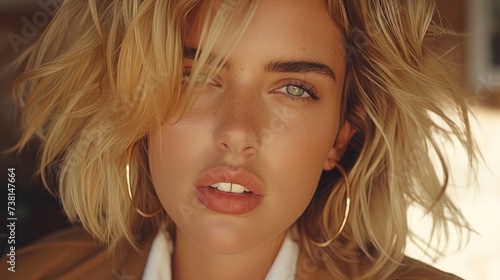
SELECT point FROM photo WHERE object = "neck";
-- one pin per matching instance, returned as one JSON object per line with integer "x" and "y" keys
{"x": 192, "y": 262}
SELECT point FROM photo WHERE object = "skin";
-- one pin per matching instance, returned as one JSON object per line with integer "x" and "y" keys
{"x": 246, "y": 118}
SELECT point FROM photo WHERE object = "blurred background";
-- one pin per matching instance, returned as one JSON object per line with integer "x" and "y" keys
{"x": 22, "y": 21}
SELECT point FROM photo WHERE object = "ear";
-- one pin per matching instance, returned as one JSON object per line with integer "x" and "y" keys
{"x": 340, "y": 146}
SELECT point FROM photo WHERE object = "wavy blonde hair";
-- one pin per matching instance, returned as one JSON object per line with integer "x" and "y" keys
{"x": 105, "y": 73}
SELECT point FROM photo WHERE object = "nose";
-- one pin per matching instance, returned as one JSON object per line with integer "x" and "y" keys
{"x": 237, "y": 129}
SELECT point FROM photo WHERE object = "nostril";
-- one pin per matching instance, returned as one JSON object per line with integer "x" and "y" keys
{"x": 224, "y": 146}
{"x": 249, "y": 151}
{"x": 237, "y": 135}
{"x": 242, "y": 149}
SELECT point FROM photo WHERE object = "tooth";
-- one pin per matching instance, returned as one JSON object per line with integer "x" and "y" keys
{"x": 235, "y": 188}
{"x": 225, "y": 187}
{"x": 230, "y": 187}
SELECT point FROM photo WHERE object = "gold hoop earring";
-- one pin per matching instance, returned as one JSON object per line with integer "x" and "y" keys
{"x": 127, "y": 175}
{"x": 346, "y": 212}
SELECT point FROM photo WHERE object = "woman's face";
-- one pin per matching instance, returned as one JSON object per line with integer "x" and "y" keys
{"x": 267, "y": 123}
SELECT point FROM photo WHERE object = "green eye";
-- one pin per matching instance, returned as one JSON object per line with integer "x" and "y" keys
{"x": 294, "y": 90}
{"x": 200, "y": 78}
{"x": 298, "y": 90}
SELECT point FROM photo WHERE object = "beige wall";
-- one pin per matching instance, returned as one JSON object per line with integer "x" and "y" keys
{"x": 455, "y": 13}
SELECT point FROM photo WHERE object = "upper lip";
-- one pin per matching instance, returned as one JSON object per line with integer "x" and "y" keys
{"x": 238, "y": 175}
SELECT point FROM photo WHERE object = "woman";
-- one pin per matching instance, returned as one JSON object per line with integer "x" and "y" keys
{"x": 240, "y": 139}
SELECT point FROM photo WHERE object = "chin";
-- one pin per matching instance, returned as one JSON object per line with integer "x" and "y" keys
{"x": 224, "y": 234}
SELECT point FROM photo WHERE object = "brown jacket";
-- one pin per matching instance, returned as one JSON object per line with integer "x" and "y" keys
{"x": 73, "y": 254}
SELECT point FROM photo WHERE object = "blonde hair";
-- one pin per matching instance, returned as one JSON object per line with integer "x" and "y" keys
{"x": 94, "y": 87}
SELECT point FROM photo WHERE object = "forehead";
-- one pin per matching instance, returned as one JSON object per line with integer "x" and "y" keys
{"x": 283, "y": 29}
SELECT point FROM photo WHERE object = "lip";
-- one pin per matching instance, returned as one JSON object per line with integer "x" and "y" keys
{"x": 227, "y": 174}
{"x": 229, "y": 203}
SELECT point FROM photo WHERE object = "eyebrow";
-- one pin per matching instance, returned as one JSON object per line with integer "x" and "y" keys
{"x": 280, "y": 66}
{"x": 190, "y": 53}
{"x": 301, "y": 66}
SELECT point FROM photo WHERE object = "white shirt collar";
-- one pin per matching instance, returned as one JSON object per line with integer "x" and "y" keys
{"x": 158, "y": 265}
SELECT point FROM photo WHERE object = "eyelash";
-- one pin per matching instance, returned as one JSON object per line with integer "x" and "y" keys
{"x": 306, "y": 87}
{"x": 186, "y": 76}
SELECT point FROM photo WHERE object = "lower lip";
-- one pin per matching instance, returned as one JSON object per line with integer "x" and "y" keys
{"x": 229, "y": 203}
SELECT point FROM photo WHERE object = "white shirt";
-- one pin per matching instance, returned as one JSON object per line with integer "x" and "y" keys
{"x": 159, "y": 260}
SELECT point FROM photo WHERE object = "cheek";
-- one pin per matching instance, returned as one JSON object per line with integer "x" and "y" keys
{"x": 175, "y": 149}
{"x": 308, "y": 142}
{"x": 299, "y": 157}
{"x": 169, "y": 160}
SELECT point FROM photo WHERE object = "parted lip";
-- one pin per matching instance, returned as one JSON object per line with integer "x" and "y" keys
{"x": 235, "y": 175}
